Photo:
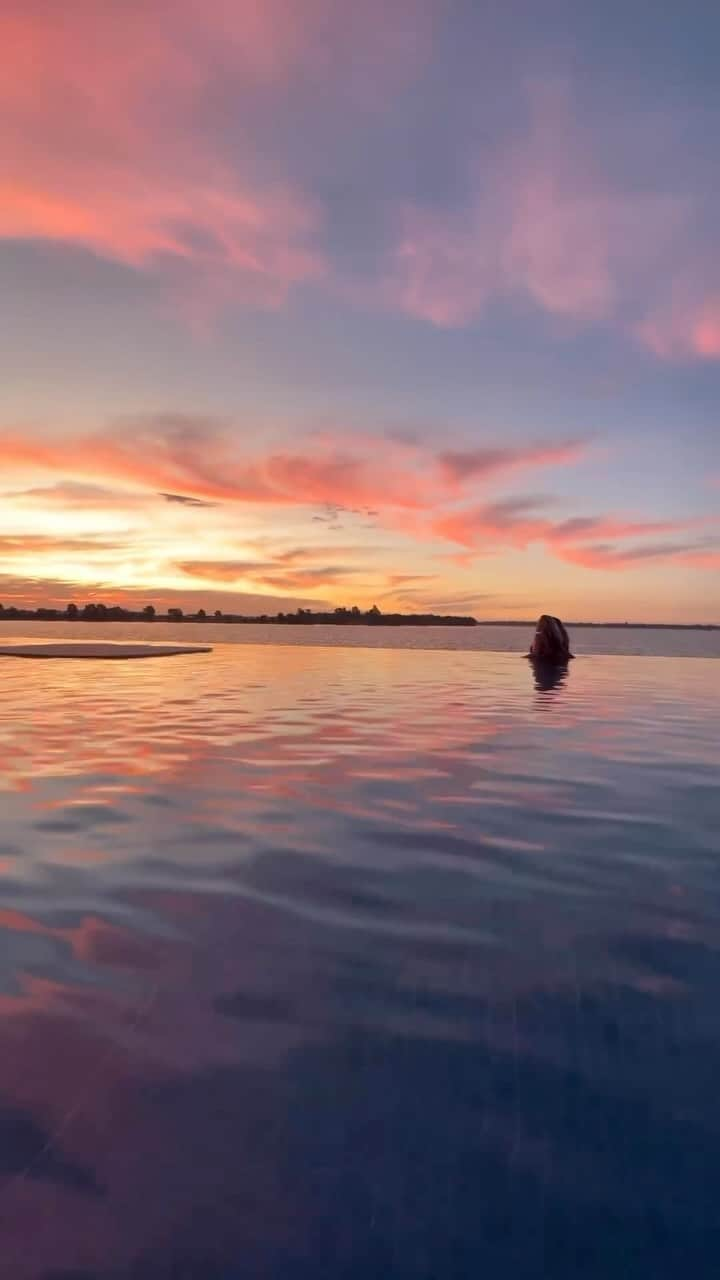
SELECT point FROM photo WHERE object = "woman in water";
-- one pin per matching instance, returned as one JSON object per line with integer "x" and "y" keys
{"x": 551, "y": 642}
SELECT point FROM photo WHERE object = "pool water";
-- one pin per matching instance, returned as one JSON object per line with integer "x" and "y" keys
{"x": 325, "y": 962}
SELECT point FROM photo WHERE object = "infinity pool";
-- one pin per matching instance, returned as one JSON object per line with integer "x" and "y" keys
{"x": 325, "y": 962}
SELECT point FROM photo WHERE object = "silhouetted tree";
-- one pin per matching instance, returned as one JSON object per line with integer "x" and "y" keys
{"x": 175, "y": 614}
{"x": 201, "y": 614}
{"x": 149, "y": 612}
{"x": 218, "y": 613}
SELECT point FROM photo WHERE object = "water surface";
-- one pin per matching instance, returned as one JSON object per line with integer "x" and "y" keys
{"x": 663, "y": 642}
{"x": 352, "y": 963}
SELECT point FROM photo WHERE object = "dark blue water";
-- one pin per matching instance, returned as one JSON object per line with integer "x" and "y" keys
{"x": 325, "y": 962}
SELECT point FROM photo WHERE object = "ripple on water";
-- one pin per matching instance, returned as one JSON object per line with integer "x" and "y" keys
{"x": 387, "y": 958}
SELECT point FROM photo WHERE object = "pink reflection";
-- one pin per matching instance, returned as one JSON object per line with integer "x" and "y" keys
{"x": 182, "y": 837}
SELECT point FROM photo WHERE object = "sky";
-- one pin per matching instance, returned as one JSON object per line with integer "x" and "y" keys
{"x": 413, "y": 303}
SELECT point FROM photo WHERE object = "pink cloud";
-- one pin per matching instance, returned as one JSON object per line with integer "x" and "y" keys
{"x": 606, "y": 556}
{"x": 111, "y": 142}
{"x": 408, "y": 487}
{"x": 700, "y": 559}
{"x": 203, "y": 460}
{"x": 110, "y": 138}
{"x": 684, "y": 332}
{"x": 510, "y": 522}
{"x": 518, "y": 522}
{"x": 458, "y": 466}
{"x": 544, "y": 224}
{"x": 583, "y": 528}
{"x": 262, "y": 238}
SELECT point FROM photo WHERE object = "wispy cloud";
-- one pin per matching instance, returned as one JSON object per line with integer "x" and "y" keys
{"x": 36, "y": 543}
{"x": 691, "y": 555}
{"x": 69, "y": 495}
{"x": 182, "y": 500}
{"x": 547, "y": 223}
{"x": 520, "y": 522}
{"x": 231, "y": 571}
{"x": 276, "y": 575}
{"x": 26, "y": 591}
{"x": 190, "y": 460}
{"x": 684, "y": 331}
{"x": 114, "y": 136}
{"x": 460, "y": 466}
{"x": 218, "y": 492}
{"x": 89, "y": 159}
{"x": 543, "y": 223}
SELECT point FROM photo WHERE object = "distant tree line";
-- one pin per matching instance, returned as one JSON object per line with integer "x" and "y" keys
{"x": 96, "y": 612}
{"x": 88, "y": 613}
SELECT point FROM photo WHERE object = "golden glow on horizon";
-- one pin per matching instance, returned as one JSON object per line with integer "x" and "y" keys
{"x": 456, "y": 538}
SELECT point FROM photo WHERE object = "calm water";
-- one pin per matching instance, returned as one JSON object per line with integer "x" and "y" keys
{"x": 332, "y": 962}
{"x": 595, "y": 640}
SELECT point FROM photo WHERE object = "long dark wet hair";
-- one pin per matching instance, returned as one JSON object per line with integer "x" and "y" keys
{"x": 551, "y": 642}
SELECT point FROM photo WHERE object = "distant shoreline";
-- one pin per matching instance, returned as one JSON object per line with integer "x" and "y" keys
{"x": 611, "y": 626}
{"x": 306, "y": 618}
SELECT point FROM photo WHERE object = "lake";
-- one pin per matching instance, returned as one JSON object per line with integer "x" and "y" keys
{"x": 652, "y": 642}
{"x": 327, "y": 960}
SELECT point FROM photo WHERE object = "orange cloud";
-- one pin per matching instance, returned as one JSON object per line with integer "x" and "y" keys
{"x": 203, "y": 482}
{"x": 221, "y": 570}
{"x": 198, "y": 459}
{"x": 311, "y": 579}
{"x": 21, "y": 591}
{"x": 277, "y": 575}
{"x": 34, "y": 543}
{"x": 29, "y": 592}
{"x": 202, "y": 460}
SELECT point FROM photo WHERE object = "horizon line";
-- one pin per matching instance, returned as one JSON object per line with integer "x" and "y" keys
{"x": 62, "y": 613}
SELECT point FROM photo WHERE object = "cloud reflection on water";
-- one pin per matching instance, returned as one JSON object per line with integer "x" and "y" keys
{"x": 371, "y": 956}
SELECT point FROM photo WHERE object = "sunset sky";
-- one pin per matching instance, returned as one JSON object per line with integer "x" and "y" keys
{"x": 407, "y": 302}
